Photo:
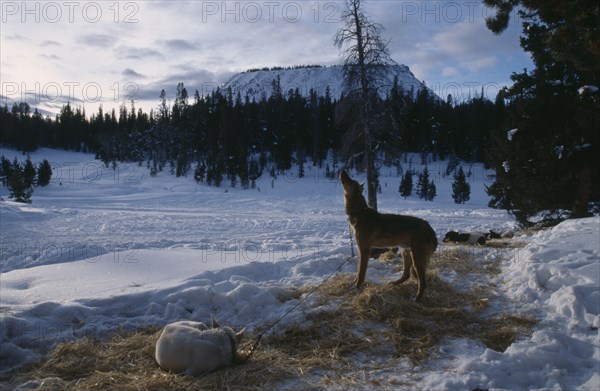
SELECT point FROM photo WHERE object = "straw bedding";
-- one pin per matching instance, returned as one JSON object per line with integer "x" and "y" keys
{"x": 362, "y": 329}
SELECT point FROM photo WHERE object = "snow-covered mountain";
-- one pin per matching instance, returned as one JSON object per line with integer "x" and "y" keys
{"x": 258, "y": 83}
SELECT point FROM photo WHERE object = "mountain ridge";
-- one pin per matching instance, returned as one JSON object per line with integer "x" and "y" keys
{"x": 258, "y": 83}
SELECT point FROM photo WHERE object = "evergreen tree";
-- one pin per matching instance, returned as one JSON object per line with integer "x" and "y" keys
{"x": 163, "y": 109}
{"x": 253, "y": 172}
{"x": 406, "y": 185}
{"x": 551, "y": 163}
{"x": 244, "y": 175}
{"x": 20, "y": 191}
{"x": 154, "y": 169}
{"x": 29, "y": 173}
{"x": 301, "y": 168}
{"x": 183, "y": 164}
{"x": 431, "y": 191}
{"x": 453, "y": 162}
{"x": 423, "y": 185}
{"x": 44, "y": 173}
{"x": 200, "y": 172}
{"x": 461, "y": 190}
{"x": 5, "y": 168}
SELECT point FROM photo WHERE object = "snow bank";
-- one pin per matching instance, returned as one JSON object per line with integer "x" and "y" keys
{"x": 557, "y": 279}
{"x": 149, "y": 288}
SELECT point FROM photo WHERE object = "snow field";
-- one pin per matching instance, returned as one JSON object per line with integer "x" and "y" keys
{"x": 101, "y": 250}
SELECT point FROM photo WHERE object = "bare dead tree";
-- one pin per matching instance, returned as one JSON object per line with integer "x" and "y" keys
{"x": 366, "y": 59}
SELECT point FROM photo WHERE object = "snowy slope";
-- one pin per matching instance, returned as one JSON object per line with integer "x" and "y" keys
{"x": 257, "y": 84}
{"x": 99, "y": 250}
{"x": 557, "y": 278}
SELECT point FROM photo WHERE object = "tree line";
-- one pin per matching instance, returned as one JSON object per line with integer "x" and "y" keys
{"x": 222, "y": 136}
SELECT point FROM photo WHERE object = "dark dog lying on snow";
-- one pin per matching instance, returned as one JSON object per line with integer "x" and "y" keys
{"x": 474, "y": 237}
{"x": 467, "y": 238}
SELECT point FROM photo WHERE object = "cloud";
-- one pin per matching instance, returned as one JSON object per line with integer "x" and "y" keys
{"x": 50, "y": 56}
{"x": 180, "y": 44}
{"x": 176, "y": 42}
{"x": 128, "y": 72}
{"x": 463, "y": 39}
{"x": 203, "y": 80}
{"x": 50, "y": 43}
{"x": 454, "y": 51}
{"x": 137, "y": 53}
{"x": 193, "y": 79}
{"x": 450, "y": 72}
{"x": 481, "y": 63}
{"x": 42, "y": 108}
{"x": 99, "y": 40}
{"x": 17, "y": 37}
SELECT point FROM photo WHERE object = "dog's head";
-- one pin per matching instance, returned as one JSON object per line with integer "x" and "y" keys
{"x": 451, "y": 236}
{"x": 351, "y": 187}
{"x": 234, "y": 338}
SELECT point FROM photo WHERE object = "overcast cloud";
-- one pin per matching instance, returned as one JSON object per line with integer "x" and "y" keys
{"x": 97, "y": 52}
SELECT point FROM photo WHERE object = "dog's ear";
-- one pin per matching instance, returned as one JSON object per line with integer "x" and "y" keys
{"x": 215, "y": 324}
{"x": 239, "y": 335}
{"x": 362, "y": 186}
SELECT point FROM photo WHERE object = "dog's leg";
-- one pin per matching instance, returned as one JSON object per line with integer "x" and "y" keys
{"x": 420, "y": 265}
{"x": 363, "y": 261}
{"x": 408, "y": 262}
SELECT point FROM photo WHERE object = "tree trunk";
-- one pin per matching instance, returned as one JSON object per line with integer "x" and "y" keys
{"x": 587, "y": 118}
{"x": 371, "y": 172}
{"x": 583, "y": 191}
{"x": 364, "y": 97}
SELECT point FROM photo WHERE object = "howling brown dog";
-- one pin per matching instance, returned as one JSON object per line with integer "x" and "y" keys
{"x": 379, "y": 230}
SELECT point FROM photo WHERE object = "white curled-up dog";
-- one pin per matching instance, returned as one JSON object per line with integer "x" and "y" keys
{"x": 194, "y": 349}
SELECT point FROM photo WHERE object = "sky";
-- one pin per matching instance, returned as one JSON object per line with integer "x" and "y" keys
{"x": 108, "y": 53}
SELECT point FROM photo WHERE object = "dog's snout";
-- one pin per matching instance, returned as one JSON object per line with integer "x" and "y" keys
{"x": 343, "y": 176}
